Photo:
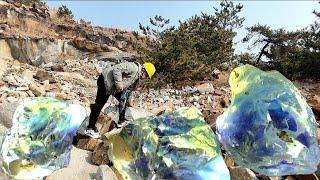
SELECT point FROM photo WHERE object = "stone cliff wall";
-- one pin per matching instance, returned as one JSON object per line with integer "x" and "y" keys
{"x": 36, "y": 51}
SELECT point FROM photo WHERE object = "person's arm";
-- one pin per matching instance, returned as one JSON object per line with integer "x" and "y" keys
{"x": 118, "y": 71}
{"x": 134, "y": 87}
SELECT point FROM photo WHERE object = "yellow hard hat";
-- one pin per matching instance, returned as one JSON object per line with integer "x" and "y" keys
{"x": 149, "y": 67}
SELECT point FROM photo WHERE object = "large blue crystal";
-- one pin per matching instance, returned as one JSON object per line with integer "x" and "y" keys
{"x": 176, "y": 145}
{"x": 40, "y": 139}
{"x": 268, "y": 126}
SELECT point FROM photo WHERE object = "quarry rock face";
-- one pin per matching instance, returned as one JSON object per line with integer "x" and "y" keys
{"x": 268, "y": 126}
{"x": 175, "y": 145}
{"x": 40, "y": 139}
{"x": 39, "y": 51}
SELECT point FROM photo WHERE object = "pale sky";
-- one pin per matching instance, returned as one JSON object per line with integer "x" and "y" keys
{"x": 126, "y": 15}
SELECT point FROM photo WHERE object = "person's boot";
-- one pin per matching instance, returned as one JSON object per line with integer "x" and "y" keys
{"x": 122, "y": 120}
{"x": 92, "y": 132}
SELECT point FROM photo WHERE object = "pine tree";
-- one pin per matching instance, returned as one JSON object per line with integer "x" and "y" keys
{"x": 294, "y": 53}
{"x": 193, "y": 48}
{"x": 64, "y": 11}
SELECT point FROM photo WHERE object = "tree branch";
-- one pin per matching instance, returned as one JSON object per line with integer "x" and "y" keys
{"x": 262, "y": 51}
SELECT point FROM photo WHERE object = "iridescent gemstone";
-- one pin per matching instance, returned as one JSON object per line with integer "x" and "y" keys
{"x": 268, "y": 126}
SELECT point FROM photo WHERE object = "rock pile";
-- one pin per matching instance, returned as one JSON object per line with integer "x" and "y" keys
{"x": 35, "y": 10}
{"x": 210, "y": 99}
{"x": 20, "y": 80}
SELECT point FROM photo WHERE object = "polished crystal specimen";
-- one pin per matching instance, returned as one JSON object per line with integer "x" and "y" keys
{"x": 40, "y": 139}
{"x": 176, "y": 145}
{"x": 268, "y": 126}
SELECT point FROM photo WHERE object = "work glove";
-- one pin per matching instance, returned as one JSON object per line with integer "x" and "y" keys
{"x": 119, "y": 87}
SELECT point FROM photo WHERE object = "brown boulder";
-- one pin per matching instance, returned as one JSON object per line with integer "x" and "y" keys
{"x": 316, "y": 112}
{"x": 43, "y": 75}
{"x": 107, "y": 126}
{"x": 315, "y": 106}
{"x": 224, "y": 102}
{"x": 100, "y": 154}
{"x": 229, "y": 161}
{"x": 302, "y": 177}
{"x": 57, "y": 68}
{"x": 85, "y": 45}
{"x": 86, "y": 143}
{"x": 167, "y": 107}
{"x": 61, "y": 96}
{"x": 211, "y": 115}
{"x": 211, "y": 120}
{"x": 104, "y": 124}
{"x": 238, "y": 173}
{"x": 37, "y": 90}
{"x": 102, "y": 118}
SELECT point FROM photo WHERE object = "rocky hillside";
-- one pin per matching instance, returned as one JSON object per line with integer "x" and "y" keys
{"x": 36, "y": 35}
{"x": 44, "y": 55}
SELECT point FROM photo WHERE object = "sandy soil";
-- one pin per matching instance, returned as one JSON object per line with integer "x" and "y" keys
{"x": 78, "y": 169}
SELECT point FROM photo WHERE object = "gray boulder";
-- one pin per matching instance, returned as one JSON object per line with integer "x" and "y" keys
{"x": 6, "y": 113}
{"x": 39, "y": 51}
{"x": 105, "y": 173}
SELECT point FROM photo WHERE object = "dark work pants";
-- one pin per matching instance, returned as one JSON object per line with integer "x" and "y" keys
{"x": 102, "y": 98}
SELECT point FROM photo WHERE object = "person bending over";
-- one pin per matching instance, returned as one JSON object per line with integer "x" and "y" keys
{"x": 119, "y": 81}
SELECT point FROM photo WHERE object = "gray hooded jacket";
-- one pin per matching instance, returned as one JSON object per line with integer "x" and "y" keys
{"x": 125, "y": 73}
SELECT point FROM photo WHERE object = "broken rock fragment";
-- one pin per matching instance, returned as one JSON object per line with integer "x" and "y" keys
{"x": 238, "y": 173}
{"x": 268, "y": 127}
{"x": 205, "y": 88}
{"x": 37, "y": 90}
{"x": 100, "y": 155}
{"x": 43, "y": 75}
